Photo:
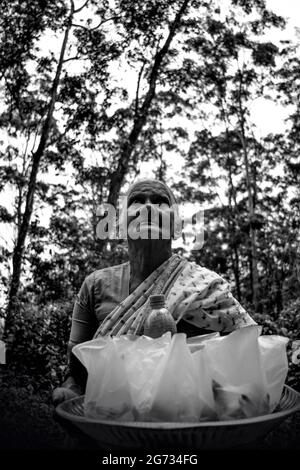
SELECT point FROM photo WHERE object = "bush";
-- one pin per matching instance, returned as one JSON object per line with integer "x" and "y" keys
{"x": 39, "y": 342}
{"x": 287, "y": 324}
{"x": 26, "y": 417}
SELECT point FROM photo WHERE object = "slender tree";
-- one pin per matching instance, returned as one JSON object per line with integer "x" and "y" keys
{"x": 142, "y": 109}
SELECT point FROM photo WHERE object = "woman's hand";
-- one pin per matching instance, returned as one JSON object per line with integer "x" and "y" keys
{"x": 69, "y": 389}
{"x": 62, "y": 394}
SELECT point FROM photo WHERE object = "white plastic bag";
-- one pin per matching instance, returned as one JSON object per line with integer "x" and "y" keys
{"x": 204, "y": 384}
{"x": 119, "y": 374}
{"x": 247, "y": 372}
{"x": 175, "y": 391}
{"x": 142, "y": 363}
{"x": 197, "y": 342}
{"x": 107, "y": 392}
{"x": 275, "y": 365}
{"x": 173, "y": 379}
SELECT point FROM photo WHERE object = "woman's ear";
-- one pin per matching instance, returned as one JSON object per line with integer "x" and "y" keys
{"x": 177, "y": 222}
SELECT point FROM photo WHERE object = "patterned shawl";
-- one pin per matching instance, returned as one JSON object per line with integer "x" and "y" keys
{"x": 193, "y": 293}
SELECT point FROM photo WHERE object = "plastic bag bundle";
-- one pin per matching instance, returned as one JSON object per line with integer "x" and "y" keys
{"x": 173, "y": 379}
{"x": 119, "y": 374}
{"x": 176, "y": 392}
{"x": 247, "y": 372}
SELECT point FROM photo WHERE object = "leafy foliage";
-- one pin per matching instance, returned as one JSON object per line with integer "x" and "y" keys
{"x": 38, "y": 348}
{"x": 286, "y": 324}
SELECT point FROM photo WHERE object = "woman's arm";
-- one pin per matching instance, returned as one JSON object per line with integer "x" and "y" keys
{"x": 82, "y": 329}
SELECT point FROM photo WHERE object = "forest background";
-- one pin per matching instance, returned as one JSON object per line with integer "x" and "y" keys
{"x": 202, "y": 95}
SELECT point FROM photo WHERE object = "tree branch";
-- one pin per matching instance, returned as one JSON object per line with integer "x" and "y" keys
{"x": 128, "y": 147}
{"x": 26, "y": 147}
{"x": 76, "y": 25}
{"x": 161, "y": 55}
{"x": 82, "y": 7}
{"x": 106, "y": 20}
{"x": 75, "y": 57}
{"x": 138, "y": 89}
{"x": 36, "y": 134}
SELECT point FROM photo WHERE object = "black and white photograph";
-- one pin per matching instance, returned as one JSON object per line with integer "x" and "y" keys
{"x": 149, "y": 229}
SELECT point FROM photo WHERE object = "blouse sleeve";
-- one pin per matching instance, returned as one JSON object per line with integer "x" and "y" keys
{"x": 83, "y": 327}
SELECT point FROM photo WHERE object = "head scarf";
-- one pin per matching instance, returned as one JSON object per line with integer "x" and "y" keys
{"x": 140, "y": 182}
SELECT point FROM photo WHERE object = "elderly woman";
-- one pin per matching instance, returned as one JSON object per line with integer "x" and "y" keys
{"x": 115, "y": 300}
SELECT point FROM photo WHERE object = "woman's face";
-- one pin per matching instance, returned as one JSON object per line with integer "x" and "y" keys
{"x": 149, "y": 213}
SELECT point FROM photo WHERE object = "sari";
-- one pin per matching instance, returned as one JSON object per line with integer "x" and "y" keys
{"x": 193, "y": 293}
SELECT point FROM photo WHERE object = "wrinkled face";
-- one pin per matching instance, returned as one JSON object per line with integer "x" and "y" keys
{"x": 149, "y": 213}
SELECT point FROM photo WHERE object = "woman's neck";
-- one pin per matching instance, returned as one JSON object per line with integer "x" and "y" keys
{"x": 145, "y": 256}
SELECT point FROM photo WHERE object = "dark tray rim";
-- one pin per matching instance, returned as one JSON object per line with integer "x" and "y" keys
{"x": 289, "y": 394}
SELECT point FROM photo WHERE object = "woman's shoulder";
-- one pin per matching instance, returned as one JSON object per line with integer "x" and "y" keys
{"x": 106, "y": 273}
{"x": 193, "y": 267}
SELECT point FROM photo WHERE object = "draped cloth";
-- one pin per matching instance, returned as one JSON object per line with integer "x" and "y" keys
{"x": 193, "y": 293}
{"x": 129, "y": 316}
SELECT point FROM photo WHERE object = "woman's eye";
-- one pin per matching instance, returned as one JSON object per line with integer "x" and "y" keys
{"x": 163, "y": 206}
{"x": 134, "y": 204}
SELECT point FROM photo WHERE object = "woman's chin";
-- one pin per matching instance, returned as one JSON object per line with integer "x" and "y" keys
{"x": 147, "y": 231}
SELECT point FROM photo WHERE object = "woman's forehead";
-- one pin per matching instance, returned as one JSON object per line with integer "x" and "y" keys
{"x": 151, "y": 187}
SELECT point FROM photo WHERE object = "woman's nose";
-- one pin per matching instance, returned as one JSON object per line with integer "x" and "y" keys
{"x": 148, "y": 208}
{"x": 148, "y": 204}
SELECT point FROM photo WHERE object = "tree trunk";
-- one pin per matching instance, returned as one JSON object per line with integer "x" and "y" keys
{"x": 297, "y": 262}
{"x": 231, "y": 221}
{"x": 237, "y": 273}
{"x": 251, "y": 213}
{"x": 119, "y": 174}
{"x": 278, "y": 292}
{"x": 232, "y": 225}
{"x": 36, "y": 158}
